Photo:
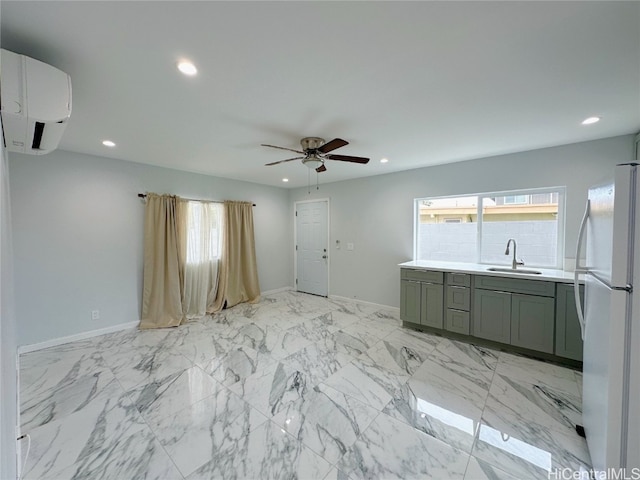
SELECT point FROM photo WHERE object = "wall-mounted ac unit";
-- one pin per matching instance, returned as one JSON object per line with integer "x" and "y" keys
{"x": 35, "y": 102}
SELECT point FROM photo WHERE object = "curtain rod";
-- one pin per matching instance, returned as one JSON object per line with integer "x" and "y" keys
{"x": 144, "y": 195}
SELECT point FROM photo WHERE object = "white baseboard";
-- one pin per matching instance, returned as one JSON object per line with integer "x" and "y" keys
{"x": 356, "y": 300}
{"x": 277, "y": 290}
{"x": 74, "y": 338}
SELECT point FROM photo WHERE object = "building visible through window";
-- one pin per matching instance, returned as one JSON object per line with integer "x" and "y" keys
{"x": 475, "y": 228}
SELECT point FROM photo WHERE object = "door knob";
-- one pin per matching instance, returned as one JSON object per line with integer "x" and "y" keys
{"x": 324, "y": 256}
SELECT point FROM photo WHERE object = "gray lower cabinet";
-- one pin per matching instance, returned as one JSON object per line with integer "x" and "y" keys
{"x": 536, "y": 315}
{"x": 532, "y": 322}
{"x": 568, "y": 334}
{"x": 410, "y": 293}
{"x": 492, "y": 315}
{"x": 432, "y": 305}
{"x": 457, "y": 321}
{"x": 422, "y": 297}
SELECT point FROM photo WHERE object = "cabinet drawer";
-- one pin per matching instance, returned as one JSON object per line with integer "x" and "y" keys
{"x": 458, "y": 297}
{"x": 457, "y": 321}
{"x": 516, "y": 285}
{"x": 459, "y": 279}
{"x": 427, "y": 276}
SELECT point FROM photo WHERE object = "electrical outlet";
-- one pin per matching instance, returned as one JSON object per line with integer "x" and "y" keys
{"x": 95, "y": 314}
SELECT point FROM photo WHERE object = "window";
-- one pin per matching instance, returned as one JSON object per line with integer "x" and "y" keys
{"x": 516, "y": 199}
{"x": 476, "y": 228}
{"x": 203, "y": 232}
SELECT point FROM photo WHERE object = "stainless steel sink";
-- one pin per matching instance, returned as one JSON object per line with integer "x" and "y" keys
{"x": 514, "y": 270}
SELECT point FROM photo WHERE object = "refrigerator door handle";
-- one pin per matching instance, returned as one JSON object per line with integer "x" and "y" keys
{"x": 580, "y": 269}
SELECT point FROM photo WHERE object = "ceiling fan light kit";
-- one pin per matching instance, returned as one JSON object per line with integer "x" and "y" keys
{"x": 316, "y": 152}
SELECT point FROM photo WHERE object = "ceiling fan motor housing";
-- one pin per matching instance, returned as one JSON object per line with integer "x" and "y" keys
{"x": 311, "y": 143}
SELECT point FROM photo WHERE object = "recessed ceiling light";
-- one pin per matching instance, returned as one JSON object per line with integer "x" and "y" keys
{"x": 285, "y": 180}
{"x": 187, "y": 67}
{"x": 384, "y": 160}
{"x": 590, "y": 120}
{"x": 108, "y": 143}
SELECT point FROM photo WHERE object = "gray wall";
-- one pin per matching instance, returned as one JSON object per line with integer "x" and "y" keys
{"x": 376, "y": 213}
{"x": 8, "y": 381}
{"x": 78, "y": 237}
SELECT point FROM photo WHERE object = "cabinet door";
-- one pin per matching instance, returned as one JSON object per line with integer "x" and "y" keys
{"x": 532, "y": 322}
{"x": 410, "y": 301}
{"x": 432, "y": 308}
{"x": 457, "y": 321}
{"x": 492, "y": 315}
{"x": 568, "y": 335}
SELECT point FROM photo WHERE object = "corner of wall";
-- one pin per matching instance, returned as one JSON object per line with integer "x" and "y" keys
{"x": 8, "y": 347}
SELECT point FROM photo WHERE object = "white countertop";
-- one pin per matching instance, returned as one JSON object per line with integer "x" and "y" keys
{"x": 559, "y": 276}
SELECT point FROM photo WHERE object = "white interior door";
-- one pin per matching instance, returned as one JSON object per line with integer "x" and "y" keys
{"x": 312, "y": 245}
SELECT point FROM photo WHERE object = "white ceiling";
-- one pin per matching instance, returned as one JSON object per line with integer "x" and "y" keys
{"x": 421, "y": 83}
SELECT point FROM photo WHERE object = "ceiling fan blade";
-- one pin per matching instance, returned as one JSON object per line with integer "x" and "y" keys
{"x": 348, "y": 158}
{"x": 282, "y": 161}
{"x": 281, "y": 148}
{"x": 332, "y": 145}
{"x": 321, "y": 168}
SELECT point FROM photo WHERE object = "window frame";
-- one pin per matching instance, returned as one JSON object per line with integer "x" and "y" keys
{"x": 560, "y": 241}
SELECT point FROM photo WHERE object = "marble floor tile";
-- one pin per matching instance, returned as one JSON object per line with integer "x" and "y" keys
{"x": 352, "y": 343}
{"x": 165, "y": 396}
{"x": 67, "y": 397}
{"x": 371, "y": 385}
{"x": 533, "y": 371}
{"x": 193, "y": 331}
{"x": 326, "y": 421}
{"x": 58, "y": 367}
{"x": 391, "y": 449}
{"x": 381, "y": 328}
{"x": 459, "y": 369}
{"x": 192, "y": 435}
{"x": 141, "y": 365}
{"x": 267, "y": 452}
{"x": 295, "y": 386}
{"x": 340, "y": 319}
{"x": 138, "y": 455}
{"x": 530, "y": 454}
{"x": 516, "y": 402}
{"x": 386, "y": 315}
{"x": 401, "y": 358}
{"x": 579, "y": 382}
{"x": 201, "y": 351}
{"x": 479, "y": 470}
{"x": 359, "y": 309}
{"x": 237, "y": 364}
{"x": 133, "y": 338}
{"x": 414, "y": 338}
{"x": 81, "y": 436}
{"x": 273, "y": 389}
{"x": 269, "y": 340}
{"x": 335, "y": 474}
{"x": 446, "y": 416}
{"x": 316, "y": 363}
{"x": 314, "y": 329}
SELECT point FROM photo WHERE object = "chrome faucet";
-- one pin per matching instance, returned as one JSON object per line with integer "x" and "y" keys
{"x": 514, "y": 263}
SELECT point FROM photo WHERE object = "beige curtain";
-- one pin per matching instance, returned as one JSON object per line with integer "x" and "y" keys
{"x": 200, "y": 229}
{"x": 161, "y": 294}
{"x": 238, "y": 279}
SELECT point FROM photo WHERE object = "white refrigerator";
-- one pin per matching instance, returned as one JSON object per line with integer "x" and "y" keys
{"x": 611, "y": 321}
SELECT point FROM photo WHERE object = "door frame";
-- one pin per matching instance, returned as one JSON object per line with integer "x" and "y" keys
{"x": 295, "y": 240}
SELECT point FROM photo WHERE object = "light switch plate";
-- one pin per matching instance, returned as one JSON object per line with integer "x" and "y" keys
{"x": 349, "y": 246}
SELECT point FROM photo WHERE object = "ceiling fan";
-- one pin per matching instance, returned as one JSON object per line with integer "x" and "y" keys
{"x": 315, "y": 151}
